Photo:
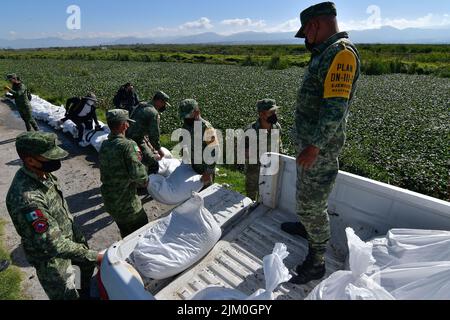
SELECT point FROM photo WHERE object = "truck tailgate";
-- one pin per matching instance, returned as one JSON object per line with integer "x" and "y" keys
{"x": 236, "y": 261}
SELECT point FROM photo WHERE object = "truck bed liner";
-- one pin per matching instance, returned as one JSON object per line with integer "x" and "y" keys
{"x": 236, "y": 261}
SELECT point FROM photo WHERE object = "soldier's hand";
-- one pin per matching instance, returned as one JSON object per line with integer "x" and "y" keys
{"x": 7, "y": 88}
{"x": 308, "y": 157}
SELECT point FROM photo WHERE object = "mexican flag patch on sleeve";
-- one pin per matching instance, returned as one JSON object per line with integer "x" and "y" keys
{"x": 38, "y": 221}
{"x": 34, "y": 215}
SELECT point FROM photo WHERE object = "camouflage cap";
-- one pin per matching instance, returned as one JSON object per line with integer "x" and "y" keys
{"x": 118, "y": 115}
{"x": 40, "y": 144}
{"x": 187, "y": 107}
{"x": 159, "y": 95}
{"x": 267, "y": 105}
{"x": 11, "y": 76}
{"x": 321, "y": 9}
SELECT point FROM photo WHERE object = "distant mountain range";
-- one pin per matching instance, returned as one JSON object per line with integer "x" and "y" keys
{"x": 382, "y": 35}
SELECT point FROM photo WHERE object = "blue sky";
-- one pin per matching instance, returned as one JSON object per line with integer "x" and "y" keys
{"x": 150, "y": 18}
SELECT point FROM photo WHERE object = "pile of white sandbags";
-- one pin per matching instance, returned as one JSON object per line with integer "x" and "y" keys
{"x": 404, "y": 265}
{"x": 45, "y": 111}
{"x": 177, "y": 242}
{"x": 175, "y": 181}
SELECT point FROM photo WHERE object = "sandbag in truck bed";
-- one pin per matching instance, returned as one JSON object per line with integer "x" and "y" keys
{"x": 404, "y": 265}
{"x": 175, "y": 188}
{"x": 177, "y": 242}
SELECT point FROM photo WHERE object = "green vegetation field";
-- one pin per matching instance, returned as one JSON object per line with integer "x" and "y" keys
{"x": 376, "y": 59}
{"x": 398, "y": 128}
{"x": 10, "y": 279}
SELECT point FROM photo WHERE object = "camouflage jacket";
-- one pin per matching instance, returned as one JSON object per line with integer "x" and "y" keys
{"x": 207, "y": 128}
{"x": 20, "y": 95}
{"x": 257, "y": 126}
{"x": 147, "y": 125}
{"x": 42, "y": 219}
{"x": 328, "y": 88}
{"x": 121, "y": 174}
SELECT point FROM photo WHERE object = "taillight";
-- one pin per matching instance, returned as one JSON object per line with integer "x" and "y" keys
{"x": 101, "y": 288}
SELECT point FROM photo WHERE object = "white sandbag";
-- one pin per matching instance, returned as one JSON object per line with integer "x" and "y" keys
{"x": 176, "y": 188}
{"x": 275, "y": 273}
{"x": 417, "y": 281}
{"x": 167, "y": 153}
{"x": 403, "y": 246}
{"x": 353, "y": 284}
{"x": 167, "y": 166}
{"x": 71, "y": 128}
{"x": 45, "y": 111}
{"x": 177, "y": 242}
{"x": 96, "y": 139}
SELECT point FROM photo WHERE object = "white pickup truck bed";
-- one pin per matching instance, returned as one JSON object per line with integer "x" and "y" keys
{"x": 250, "y": 233}
{"x": 236, "y": 261}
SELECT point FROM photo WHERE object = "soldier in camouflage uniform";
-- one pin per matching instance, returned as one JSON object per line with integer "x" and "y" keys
{"x": 22, "y": 98}
{"x": 322, "y": 110}
{"x": 51, "y": 241}
{"x": 126, "y": 98}
{"x": 122, "y": 172}
{"x": 191, "y": 115}
{"x": 268, "y": 120}
{"x": 146, "y": 130}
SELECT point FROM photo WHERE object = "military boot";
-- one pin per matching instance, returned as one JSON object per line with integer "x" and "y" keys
{"x": 4, "y": 264}
{"x": 295, "y": 229}
{"x": 312, "y": 269}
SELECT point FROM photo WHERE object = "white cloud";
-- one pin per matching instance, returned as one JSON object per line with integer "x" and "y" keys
{"x": 428, "y": 21}
{"x": 247, "y": 22}
{"x": 287, "y": 26}
{"x": 202, "y": 23}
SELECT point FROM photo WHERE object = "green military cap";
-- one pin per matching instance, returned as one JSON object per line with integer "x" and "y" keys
{"x": 267, "y": 105}
{"x": 159, "y": 95}
{"x": 11, "y": 76}
{"x": 40, "y": 144}
{"x": 321, "y": 9}
{"x": 187, "y": 107}
{"x": 118, "y": 115}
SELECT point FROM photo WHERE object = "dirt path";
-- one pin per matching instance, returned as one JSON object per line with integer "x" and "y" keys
{"x": 80, "y": 180}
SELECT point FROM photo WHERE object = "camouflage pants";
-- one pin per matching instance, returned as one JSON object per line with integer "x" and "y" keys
{"x": 252, "y": 181}
{"x": 148, "y": 158}
{"x": 27, "y": 117}
{"x": 314, "y": 186}
{"x": 57, "y": 277}
{"x": 131, "y": 223}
